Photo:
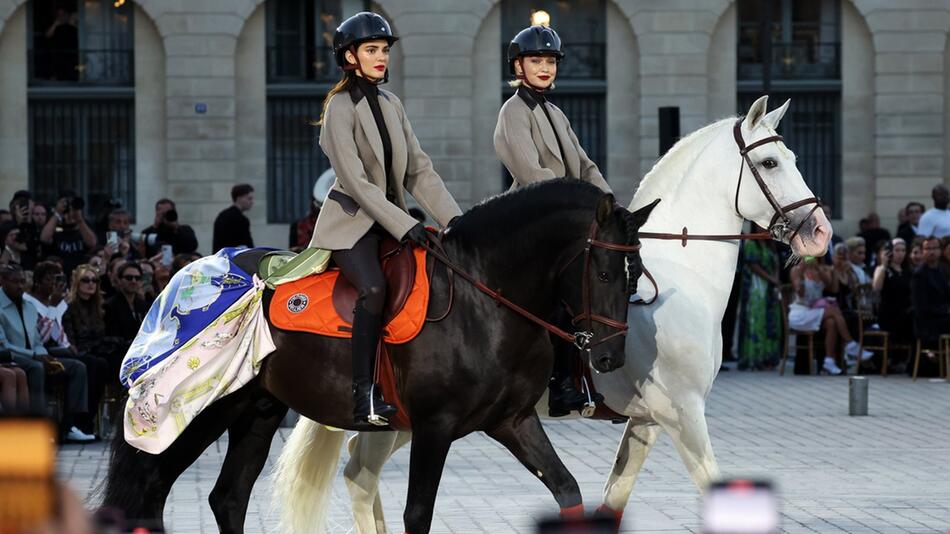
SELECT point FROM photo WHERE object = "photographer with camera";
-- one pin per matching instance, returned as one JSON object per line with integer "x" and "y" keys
{"x": 66, "y": 233}
{"x": 21, "y": 207}
{"x": 168, "y": 231}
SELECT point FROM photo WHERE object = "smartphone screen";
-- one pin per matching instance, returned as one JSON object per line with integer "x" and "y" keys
{"x": 740, "y": 507}
{"x": 167, "y": 255}
{"x": 27, "y": 464}
{"x": 112, "y": 238}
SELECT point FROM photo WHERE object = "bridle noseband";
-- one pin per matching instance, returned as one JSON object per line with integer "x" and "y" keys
{"x": 780, "y": 225}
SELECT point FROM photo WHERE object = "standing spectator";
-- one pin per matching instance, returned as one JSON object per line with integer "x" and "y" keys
{"x": 891, "y": 281}
{"x": 66, "y": 234}
{"x": 126, "y": 309}
{"x": 945, "y": 256}
{"x": 907, "y": 230}
{"x": 936, "y": 221}
{"x": 14, "y": 249}
{"x": 760, "y": 313}
{"x": 873, "y": 235}
{"x": 39, "y": 214}
{"x": 48, "y": 297}
{"x": 931, "y": 294}
{"x": 119, "y": 221}
{"x": 232, "y": 228}
{"x": 21, "y": 207}
{"x": 19, "y": 335}
{"x": 169, "y": 231}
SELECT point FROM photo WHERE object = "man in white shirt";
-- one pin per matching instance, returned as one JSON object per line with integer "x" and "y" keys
{"x": 936, "y": 221}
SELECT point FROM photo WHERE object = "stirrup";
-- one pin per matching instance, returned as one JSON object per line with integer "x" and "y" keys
{"x": 590, "y": 406}
{"x": 374, "y": 418}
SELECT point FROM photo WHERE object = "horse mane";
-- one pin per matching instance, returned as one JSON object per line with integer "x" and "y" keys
{"x": 673, "y": 166}
{"x": 501, "y": 213}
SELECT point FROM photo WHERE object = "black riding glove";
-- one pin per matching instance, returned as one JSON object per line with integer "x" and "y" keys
{"x": 417, "y": 234}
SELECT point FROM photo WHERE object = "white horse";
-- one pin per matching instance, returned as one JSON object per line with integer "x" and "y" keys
{"x": 676, "y": 343}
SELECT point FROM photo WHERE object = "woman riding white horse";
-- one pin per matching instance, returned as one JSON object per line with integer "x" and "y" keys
{"x": 675, "y": 344}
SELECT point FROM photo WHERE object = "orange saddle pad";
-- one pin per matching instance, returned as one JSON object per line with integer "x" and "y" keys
{"x": 306, "y": 305}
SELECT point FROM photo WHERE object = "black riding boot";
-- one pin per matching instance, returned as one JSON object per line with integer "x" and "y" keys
{"x": 563, "y": 397}
{"x": 367, "y": 397}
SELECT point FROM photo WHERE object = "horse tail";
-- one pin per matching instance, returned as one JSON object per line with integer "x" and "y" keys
{"x": 122, "y": 489}
{"x": 305, "y": 470}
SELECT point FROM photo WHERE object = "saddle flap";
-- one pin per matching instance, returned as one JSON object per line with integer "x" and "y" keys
{"x": 399, "y": 270}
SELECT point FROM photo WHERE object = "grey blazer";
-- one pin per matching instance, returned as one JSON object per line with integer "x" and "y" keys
{"x": 357, "y": 198}
{"x": 11, "y": 329}
{"x": 526, "y": 144}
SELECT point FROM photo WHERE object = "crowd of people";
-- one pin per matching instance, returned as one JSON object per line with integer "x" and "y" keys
{"x": 873, "y": 280}
{"x": 73, "y": 293}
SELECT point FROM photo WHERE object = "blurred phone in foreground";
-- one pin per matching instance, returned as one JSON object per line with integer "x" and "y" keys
{"x": 740, "y": 507}
{"x": 585, "y": 525}
{"x": 27, "y": 465}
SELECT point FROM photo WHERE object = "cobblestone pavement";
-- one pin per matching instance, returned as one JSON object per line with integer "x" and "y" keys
{"x": 887, "y": 472}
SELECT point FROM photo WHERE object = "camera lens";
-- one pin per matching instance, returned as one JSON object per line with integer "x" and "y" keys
{"x": 171, "y": 216}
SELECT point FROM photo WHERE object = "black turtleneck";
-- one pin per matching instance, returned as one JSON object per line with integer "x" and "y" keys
{"x": 534, "y": 98}
{"x": 371, "y": 92}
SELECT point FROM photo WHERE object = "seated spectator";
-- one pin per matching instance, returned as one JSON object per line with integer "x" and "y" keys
{"x": 109, "y": 283}
{"x": 48, "y": 297}
{"x": 39, "y": 214}
{"x": 125, "y": 311}
{"x": 169, "y": 231}
{"x": 14, "y": 248}
{"x": 936, "y": 221}
{"x": 231, "y": 227}
{"x": 873, "y": 236}
{"x": 891, "y": 281}
{"x": 857, "y": 251}
{"x": 14, "y": 392}
{"x": 66, "y": 234}
{"x": 811, "y": 312}
{"x": 85, "y": 324}
{"x": 945, "y": 255}
{"x": 19, "y": 334}
{"x": 907, "y": 230}
{"x": 931, "y": 295}
{"x": 916, "y": 253}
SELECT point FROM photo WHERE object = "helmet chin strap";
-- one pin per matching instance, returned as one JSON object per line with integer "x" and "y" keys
{"x": 524, "y": 79}
{"x": 359, "y": 68}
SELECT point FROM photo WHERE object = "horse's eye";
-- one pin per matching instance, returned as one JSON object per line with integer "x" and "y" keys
{"x": 603, "y": 276}
{"x": 769, "y": 163}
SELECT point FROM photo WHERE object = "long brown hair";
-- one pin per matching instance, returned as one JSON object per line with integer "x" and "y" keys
{"x": 346, "y": 81}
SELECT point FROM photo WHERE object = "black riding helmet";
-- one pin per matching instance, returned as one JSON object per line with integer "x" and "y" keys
{"x": 534, "y": 41}
{"x": 361, "y": 27}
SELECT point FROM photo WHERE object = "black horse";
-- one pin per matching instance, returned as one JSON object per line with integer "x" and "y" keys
{"x": 481, "y": 368}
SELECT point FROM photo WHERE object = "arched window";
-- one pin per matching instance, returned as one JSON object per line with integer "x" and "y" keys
{"x": 582, "y": 76}
{"x": 792, "y": 49}
{"x": 81, "y": 102}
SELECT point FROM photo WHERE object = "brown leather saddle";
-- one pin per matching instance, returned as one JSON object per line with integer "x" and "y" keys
{"x": 399, "y": 270}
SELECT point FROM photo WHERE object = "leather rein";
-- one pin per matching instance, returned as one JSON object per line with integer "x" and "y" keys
{"x": 583, "y": 339}
{"x": 779, "y": 226}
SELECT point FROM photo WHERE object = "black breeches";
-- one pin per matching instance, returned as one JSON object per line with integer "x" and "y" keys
{"x": 360, "y": 265}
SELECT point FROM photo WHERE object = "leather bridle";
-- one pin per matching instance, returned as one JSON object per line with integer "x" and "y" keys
{"x": 779, "y": 226}
{"x": 582, "y": 339}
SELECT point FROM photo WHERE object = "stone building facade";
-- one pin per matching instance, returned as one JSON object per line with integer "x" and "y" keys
{"x": 447, "y": 68}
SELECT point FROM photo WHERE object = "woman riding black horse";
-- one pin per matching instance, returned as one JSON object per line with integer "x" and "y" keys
{"x": 535, "y": 141}
{"x": 376, "y": 156}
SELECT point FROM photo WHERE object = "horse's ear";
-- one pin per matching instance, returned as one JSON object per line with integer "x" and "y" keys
{"x": 756, "y": 112}
{"x": 639, "y": 217}
{"x": 605, "y": 208}
{"x": 772, "y": 119}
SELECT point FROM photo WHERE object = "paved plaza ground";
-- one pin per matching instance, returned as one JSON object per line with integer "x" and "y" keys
{"x": 888, "y": 472}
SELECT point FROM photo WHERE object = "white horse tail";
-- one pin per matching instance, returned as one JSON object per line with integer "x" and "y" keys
{"x": 305, "y": 471}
